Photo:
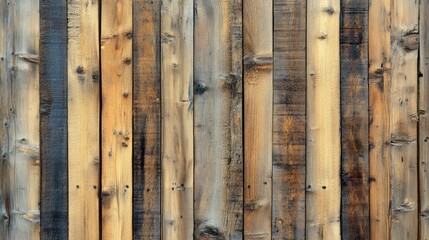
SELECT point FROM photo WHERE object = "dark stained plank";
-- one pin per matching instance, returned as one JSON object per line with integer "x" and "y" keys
{"x": 354, "y": 120}
{"x": 146, "y": 120}
{"x": 288, "y": 220}
{"x": 53, "y": 118}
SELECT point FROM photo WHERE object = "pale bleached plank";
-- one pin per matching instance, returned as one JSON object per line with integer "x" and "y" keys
{"x": 116, "y": 66}
{"x": 323, "y": 120}
{"x": 177, "y": 119}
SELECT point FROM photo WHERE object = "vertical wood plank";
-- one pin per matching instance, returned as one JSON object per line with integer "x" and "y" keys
{"x": 19, "y": 114}
{"x": 403, "y": 118}
{"x": 146, "y": 120}
{"x": 217, "y": 120}
{"x": 354, "y": 120}
{"x": 258, "y": 110}
{"x": 116, "y": 120}
{"x": 53, "y": 119}
{"x": 379, "y": 122}
{"x": 288, "y": 220}
{"x": 323, "y": 120}
{"x": 83, "y": 118}
{"x": 424, "y": 118}
{"x": 177, "y": 119}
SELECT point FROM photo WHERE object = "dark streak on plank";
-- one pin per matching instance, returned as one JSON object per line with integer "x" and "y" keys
{"x": 146, "y": 120}
{"x": 354, "y": 120}
{"x": 289, "y": 120}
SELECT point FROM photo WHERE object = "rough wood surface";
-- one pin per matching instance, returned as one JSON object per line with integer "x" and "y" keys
{"x": 288, "y": 220}
{"x": 83, "y": 119}
{"x": 19, "y": 119}
{"x": 146, "y": 120}
{"x": 354, "y": 120}
{"x": 404, "y": 118}
{"x": 217, "y": 120}
{"x": 177, "y": 21}
{"x": 323, "y": 120}
{"x": 116, "y": 119}
{"x": 258, "y": 110}
{"x": 53, "y": 119}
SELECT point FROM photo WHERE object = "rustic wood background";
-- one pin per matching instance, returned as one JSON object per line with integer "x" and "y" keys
{"x": 214, "y": 119}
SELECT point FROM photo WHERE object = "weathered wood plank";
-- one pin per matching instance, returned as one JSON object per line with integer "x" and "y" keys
{"x": 354, "y": 120}
{"x": 53, "y": 119}
{"x": 217, "y": 120}
{"x": 258, "y": 110}
{"x": 403, "y": 119}
{"x": 116, "y": 119}
{"x": 83, "y": 119}
{"x": 288, "y": 220}
{"x": 323, "y": 120}
{"x": 177, "y": 119}
{"x": 19, "y": 114}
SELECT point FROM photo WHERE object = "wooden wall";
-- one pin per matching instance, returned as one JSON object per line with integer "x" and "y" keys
{"x": 214, "y": 119}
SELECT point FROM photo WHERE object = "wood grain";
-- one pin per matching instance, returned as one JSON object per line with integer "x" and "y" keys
{"x": 258, "y": 110}
{"x": 146, "y": 120}
{"x": 177, "y": 119}
{"x": 288, "y": 220}
{"x": 354, "y": 120}
{"x": 116, "y": 119}
{"x": 53, "y": 119}
{"x": 323, "y": 120}
{"x": 217, "y": 120}
{"x": 83, "y": 118}
{"x": 19, "y": 119}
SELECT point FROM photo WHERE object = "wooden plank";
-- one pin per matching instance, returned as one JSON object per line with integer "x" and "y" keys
{"x": 146, "y": 120}
{"x": 323, "y": 120}
{"x": 258, "y": 110}
{"x": 424, "y": 119}
{"x": 404, "y": 118}
{"x": 19, "y": 114}
{"x": 177, "y": 119}
{"x": 288, "y": 220}
{"x": 116, "y": 119}
{"x": 83, "y": 119}
{"x": 53, "y": 119}
{"x": 379, "y": 89}
{"x": 217, "y": 120}
{"x": 354, "y": 120}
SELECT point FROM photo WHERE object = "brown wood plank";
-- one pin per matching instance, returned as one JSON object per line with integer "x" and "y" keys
{"x": 217, "y": 120}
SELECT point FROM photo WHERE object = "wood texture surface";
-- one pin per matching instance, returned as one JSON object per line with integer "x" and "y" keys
{"x": 288, "y": 220}
{"x": 83, "y": 118}
{"x": 146, "y": 120}
{"x": 258, "y": 120}
{"x": 323, "y": 120}
{"x": 53, "y": 119}
{"x": 19, "y": 119}
{"x": 116, "y": 119}
{"x": 354, "y": 120}
{"x": 218, "y": 120}
{"x": 177, "y": 119}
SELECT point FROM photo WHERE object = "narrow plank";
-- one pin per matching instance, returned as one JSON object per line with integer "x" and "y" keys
{"x": 424, "y": 119}
{"x": 354, "y": 120}
{"x": 53, "y": 119}
{"x": 19, "y": 114}
{"x": 258, "y": 110}
{"x": 116, "y": 119}
{"x": 404, "y": 118}
{"x": 83, "y": 118}
{"x": 323, "y": 120}
{"x": 177, "y": 119}
{"x": 146, "y": 120}
{"x": 288, "y": 220}
{"x": 379, "y": 88}
{"x": 217, "y": 120}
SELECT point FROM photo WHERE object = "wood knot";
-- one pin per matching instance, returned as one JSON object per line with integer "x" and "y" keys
{"x": 410, "y": 42}
{"x": 329, "y": 10}
{"x": 80, "y": 70}
{"x": 211, "y": 232}
{"x": 200, "y": 87}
